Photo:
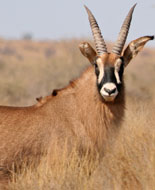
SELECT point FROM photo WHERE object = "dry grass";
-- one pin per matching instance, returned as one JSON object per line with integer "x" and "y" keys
{"x": 129, "y": 161}
{"x": 30, "y": 69}
{"x": 62, "y": 172}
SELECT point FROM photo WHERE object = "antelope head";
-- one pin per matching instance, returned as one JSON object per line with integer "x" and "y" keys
{"x": 109, "y": 67}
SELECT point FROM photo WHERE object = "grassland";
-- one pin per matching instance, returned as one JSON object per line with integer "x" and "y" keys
{"x": 31, "y": 69}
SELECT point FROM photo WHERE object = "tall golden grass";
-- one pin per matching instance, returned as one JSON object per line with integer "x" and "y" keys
{"x": 129, "y": 160}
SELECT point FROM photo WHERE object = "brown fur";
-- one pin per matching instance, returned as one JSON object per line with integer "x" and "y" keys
{"x": 43, "y": 100}
{"x": 76, "y": 113}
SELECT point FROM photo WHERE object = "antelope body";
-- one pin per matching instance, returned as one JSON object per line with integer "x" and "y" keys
{"x": 85, "y": 111}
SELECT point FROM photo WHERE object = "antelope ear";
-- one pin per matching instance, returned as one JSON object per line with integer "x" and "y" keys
{"x": 88, "y": 51}
{"x": 134, "y": 47}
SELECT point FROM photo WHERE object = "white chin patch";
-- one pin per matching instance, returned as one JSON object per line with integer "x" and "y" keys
{"x": 109, "y": 92}
{"x": 109, "y": 98}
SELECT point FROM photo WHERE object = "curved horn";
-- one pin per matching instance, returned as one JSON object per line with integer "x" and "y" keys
{"x": 99, "y": 41}
{"x": 117, "y": 49}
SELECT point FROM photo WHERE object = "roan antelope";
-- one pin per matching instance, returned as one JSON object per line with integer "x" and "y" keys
{"x": 86, "y": 110}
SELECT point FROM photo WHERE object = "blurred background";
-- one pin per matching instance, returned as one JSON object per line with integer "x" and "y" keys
{"x": 39, "y": 52}
{"x": 39, "y": 45}
{"x": 68, "y": 19}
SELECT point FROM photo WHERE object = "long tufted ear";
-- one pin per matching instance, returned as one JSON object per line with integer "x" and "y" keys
{"x": 134, "y": 47}
{"x": 88, "y": 51}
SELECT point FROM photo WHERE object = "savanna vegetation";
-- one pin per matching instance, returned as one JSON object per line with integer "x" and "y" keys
{"x": 30, "y": 69}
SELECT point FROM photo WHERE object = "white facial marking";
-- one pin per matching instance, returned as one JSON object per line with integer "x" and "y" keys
{"x": 117, "y": 68}
{"x": 109, "y": 91}
{"x": 101, "y": 69}
{"x": 117, "y": 77}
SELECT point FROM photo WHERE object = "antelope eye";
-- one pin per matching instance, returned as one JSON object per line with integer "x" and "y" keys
{"x": 97, "y": 72}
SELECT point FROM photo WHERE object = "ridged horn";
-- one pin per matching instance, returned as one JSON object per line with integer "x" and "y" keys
{"x": 99, "y": 41}
{"x": 117, "y": 49}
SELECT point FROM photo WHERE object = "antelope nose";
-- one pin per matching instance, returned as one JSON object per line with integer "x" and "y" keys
{"x": 110, "y": 91}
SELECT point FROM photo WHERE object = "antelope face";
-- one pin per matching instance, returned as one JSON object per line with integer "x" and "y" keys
{"x": 109, "y": 76}
{"x": 109, "y": 67}
{"x": 109, "y": 70}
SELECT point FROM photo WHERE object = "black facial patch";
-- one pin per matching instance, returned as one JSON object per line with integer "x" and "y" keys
{"x": 97, "y": 72}
{"x": 109, "y": 76}
{"x": 121, "y": 70}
